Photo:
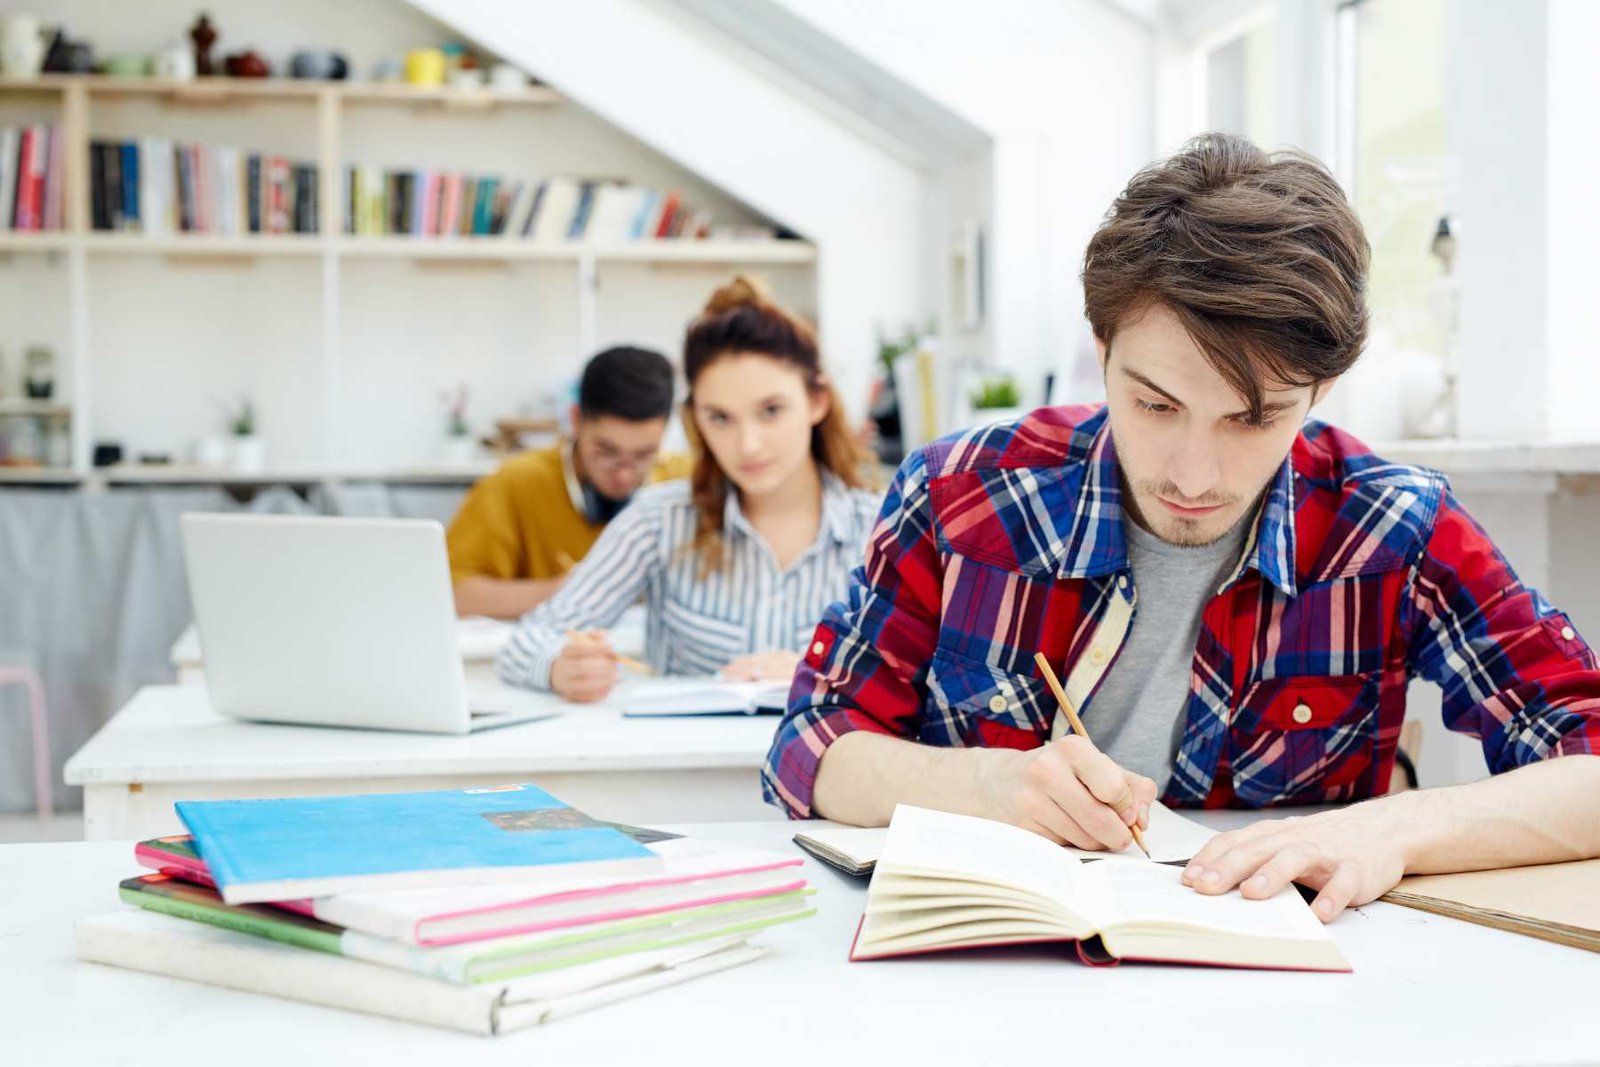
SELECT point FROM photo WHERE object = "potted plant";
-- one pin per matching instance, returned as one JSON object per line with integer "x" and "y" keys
{"x": 249, "y": 450}
{"x": 996, "y": 398}
{"x": 884, "y": 404}
{"x": 459, "y": 447}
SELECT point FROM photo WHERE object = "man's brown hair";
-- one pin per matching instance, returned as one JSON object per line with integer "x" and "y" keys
{"x": 1259, "y": 256}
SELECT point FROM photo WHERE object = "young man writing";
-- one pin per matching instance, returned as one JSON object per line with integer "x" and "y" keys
{"x": 1236, "y": 595}
{"x": 520, "y": 529}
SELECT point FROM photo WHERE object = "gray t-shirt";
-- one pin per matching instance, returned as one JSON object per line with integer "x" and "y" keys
{"x": 1136, "y": 715}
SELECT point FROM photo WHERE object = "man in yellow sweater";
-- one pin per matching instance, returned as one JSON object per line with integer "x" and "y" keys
{"x": 521, "y": 529}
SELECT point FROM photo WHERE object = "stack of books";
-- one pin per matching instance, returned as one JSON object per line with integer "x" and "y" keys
{"x": 483, "y": 910}
{"x": 30, "y": 178}
{"x": 157, "y": 187}
{"x": 426, "y": 203}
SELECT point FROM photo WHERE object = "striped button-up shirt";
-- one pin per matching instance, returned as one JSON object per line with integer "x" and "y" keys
{"x": 1358, "y": 575}
{"x": 696, "y": 624}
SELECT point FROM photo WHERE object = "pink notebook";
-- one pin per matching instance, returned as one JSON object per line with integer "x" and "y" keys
{"x": 694, "y": 873}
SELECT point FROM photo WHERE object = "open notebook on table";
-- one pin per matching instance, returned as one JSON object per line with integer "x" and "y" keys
{"x": 669, "y": 697}
{"x": 947, "y": 881}
{"x": 854, "y": 849}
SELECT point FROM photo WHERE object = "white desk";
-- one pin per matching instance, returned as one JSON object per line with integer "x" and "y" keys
{"x": 168, "y": 744}
{"x": 1426, "y": 990}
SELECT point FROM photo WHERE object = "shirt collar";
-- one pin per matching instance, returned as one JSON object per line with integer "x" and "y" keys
{"x": 838, "y": 511}
{"x": 1096, "y": 545}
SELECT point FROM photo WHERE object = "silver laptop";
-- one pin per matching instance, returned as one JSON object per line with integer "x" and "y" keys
{"x": 336, "y": 622}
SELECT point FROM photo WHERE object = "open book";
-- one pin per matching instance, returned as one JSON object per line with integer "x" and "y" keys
{"x": 854, "y": 849}
{"x": 948, "y": 881}
{"x": 704, "y": 696}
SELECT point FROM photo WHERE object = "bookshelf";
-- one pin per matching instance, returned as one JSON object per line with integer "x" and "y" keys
{"x": 322, "y": 114}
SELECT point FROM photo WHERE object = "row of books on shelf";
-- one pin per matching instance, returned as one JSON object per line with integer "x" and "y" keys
{"x": 420, "y": 203}
{"x": 479, "y": 909}
{"x": 157, "y": 187}
{"x": 31, "y": 171}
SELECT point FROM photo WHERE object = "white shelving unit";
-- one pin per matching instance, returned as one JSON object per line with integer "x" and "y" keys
{"x": 73, "y": 101}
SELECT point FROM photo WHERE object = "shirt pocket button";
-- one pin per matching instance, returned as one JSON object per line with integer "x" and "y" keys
{"x": 1302, "y": 713}
{"x": 998, "y": 703}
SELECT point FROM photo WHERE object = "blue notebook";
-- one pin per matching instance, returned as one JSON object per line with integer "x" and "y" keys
{"x": 299, "y": 847}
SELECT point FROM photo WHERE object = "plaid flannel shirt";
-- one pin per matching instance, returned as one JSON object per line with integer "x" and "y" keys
{"x": 1358, "y": 575}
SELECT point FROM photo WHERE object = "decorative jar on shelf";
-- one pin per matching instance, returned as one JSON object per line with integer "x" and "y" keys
{"x": 41, "y": 373}
{"x": 249, "y": 453}
{"x": 22, "y": 46}
{"x": 211, "y": 451}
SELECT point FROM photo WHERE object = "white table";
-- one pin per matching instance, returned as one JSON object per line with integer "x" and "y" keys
{"x": 168, "y": 744}
{"x": 1425, "y": 990}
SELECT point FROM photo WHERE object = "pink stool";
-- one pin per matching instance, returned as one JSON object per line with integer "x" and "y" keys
{"x": 41, "y": 737}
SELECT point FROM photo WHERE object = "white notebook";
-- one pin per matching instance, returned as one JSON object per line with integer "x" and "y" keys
{"x": 196, "y": 952}
{"x": 704, "y": 696}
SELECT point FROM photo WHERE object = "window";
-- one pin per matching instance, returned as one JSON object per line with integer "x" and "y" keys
{"x": 1235, "y": 70}
{"x": 1394, "y": 159}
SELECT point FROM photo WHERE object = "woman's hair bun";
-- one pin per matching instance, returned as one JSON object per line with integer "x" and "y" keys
{"x": 742, "y": 291}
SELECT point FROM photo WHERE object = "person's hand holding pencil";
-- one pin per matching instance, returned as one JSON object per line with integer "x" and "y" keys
{"x": 585, "y": 670}
{"x": 1068, "y": 790}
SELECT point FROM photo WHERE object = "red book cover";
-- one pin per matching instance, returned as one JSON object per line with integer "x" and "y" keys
{"x": 668, "y": 211}
{"x": 27, "y": 206}
{"x": 175, "y": 857}
{"x": 278, "y": 206}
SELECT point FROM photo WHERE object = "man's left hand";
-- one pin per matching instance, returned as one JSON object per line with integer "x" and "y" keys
{"x": 1351, "y": 856}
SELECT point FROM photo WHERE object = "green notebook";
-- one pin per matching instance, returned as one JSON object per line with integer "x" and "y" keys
{"x": 496, "y": 959}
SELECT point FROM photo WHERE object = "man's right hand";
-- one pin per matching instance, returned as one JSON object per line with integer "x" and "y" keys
{"x": 1068, "y": 791}
{"x": 585, "y": 669}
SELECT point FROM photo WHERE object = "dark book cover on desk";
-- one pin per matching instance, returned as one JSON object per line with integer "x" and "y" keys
{"x": 291, "y": 848}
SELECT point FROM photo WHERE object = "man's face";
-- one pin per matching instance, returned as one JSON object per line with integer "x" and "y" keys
{"x": 1193, "y": 464}
{"x": 615, "y": 454}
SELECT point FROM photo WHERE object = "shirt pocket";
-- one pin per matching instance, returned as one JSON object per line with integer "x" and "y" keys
{"x": 972, "y": 704}
{"x": 1306, "y": 740}
{"x": 699, "y": 643}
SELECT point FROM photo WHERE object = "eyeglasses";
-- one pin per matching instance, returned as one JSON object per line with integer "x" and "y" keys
{"x": 616, "y": 460}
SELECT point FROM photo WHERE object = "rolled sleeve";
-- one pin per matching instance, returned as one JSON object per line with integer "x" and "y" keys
{"x": 866, "y": 666}
{"x": 1514, "y": 671}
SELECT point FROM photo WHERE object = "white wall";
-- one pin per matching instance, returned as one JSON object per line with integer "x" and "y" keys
{"x": 1065, "y": 89}
{"x": 1572, "y": 225}
{"x": 1497, "y": 131}
{"x": 650, "y": 73}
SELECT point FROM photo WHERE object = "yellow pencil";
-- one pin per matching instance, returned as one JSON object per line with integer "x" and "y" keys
{"x": 634, "y": 665}
{"x": 1077, "y": 726}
